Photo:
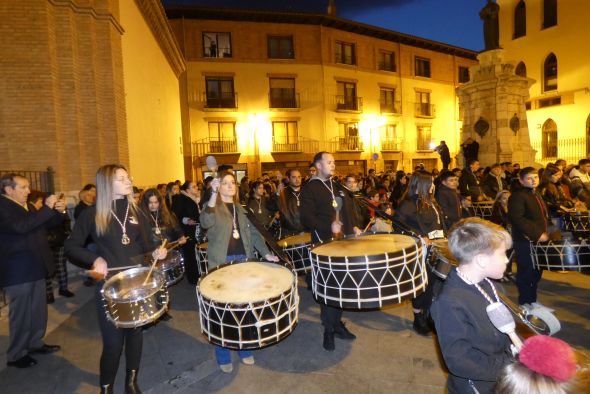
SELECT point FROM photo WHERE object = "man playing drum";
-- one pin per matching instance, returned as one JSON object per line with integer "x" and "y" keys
{"x": 289, "y": 204}
{"x": 319, "y": 204}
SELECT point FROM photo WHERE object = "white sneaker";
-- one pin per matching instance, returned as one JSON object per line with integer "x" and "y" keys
{"x": 526, "y": 307}
{"x": 248, "y": 360}
{"x": 226, "y": 368}
{"x": 539, "y": 305}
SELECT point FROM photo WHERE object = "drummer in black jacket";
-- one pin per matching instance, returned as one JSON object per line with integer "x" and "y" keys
{"x": 121, "y": 233}
{"x": 289, "y": 204}
{"x": 320, "y": 198}
{"x": 186, "y": 208}
{"x": 529, "y": 217}
{"x": 448, "y": 198}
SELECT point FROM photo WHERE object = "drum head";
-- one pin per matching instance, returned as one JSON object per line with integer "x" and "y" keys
{"x": 173, "y": 259}
{"x": 374, "y": 244}
{"x": 203, "y": 246}
{"x": 297, "y": 239}
{"x": 127, "y": 286}
{"x": 246, "y": 282}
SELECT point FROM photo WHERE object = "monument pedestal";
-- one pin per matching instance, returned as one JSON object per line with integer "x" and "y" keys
{"x": 492, "y": 107}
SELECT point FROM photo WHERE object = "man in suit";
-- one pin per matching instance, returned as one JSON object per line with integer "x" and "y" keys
{"x": 24, "y": 261}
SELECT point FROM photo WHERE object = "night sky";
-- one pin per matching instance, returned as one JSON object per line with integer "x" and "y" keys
{"x": 453, "y": 22}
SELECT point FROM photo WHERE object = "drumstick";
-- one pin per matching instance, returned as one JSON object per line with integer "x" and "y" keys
{"x": 369, "y": 225}
{"x": 95, "y": 275}
{"x": 154, "y": 264}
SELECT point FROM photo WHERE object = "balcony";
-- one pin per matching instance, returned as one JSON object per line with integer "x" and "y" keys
{"x": 279, "y": 145}
{"x": 391, "y": 146}
{"x": 424, "y": 110}
{"x": 346, "y": 144}
{"x": 220, "y": 100}
{"x": 283, "y": 102}
{"x": 349, "y": 103}
{"x": 208, "y": 146}
{"x": 394, "y": 107}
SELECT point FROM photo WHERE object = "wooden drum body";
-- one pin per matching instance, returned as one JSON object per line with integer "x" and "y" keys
{"x": 248, "y": 305}
{"x": 564, "y": 255}
{"x": 370, "y": 271}
{"x": 297, "y": 248}
{"x": 129, "y": 303}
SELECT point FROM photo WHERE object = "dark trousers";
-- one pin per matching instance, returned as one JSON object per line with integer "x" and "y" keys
{"x": 330, "y": 317}
{"x": 113, "y": 341}
{"x": 27, "y": 318}
{"x": 527, "y": 276}
{"x": 424, "y": 300}
{"x": 190, "y": 262}
{"x": 61, "y": 271}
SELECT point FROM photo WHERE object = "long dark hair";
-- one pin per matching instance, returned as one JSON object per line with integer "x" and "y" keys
{"x": 164, "y": 216}
{"x": 419, "y": 190}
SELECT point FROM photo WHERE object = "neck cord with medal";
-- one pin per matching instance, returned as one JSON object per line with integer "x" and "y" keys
{"x": 235, "y": 232}
{"x": 259, "y": 202}
{"x": 157, "y": 231}
{"x": 478, "y": 287}
{"x": 124, "y": 238}
{"x": 296, "y": 195}
{"x": 331, "y": 190}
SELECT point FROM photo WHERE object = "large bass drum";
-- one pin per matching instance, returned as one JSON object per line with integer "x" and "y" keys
{"x": 248, "y": 305}
{"x": 562, "y": 255}
{"x": 369, "y": 271}
{"x": 297, "y": 248}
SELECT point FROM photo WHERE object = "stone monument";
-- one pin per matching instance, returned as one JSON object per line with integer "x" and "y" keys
{"x": 492, "y": 105}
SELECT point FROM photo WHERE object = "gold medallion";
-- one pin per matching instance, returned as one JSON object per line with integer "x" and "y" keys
{"x": 125, "y": 239}
{"x": 334, "y": 203}
{"x": 236, "y": 234}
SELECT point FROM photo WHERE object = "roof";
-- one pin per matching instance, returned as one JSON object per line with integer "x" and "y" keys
{"x": 307, "y": 18}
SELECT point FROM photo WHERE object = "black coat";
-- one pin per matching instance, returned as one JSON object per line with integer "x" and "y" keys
{"x": 491, "y": 187}
{"x": 527, "y": 214}
{"x": 449, "y": 201}
{"x": 289, "y": 205}
{"x": 25, "y": 255}
{"x": 185, "y": 207}
{"x": 445, "y": 155}
{"x": 469, "y": 185}
{"x": 421, "y": 222}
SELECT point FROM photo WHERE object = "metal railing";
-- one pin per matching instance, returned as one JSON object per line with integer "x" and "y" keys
{"x": 217, "y": 52}
{"x": 207, "y": 146}
{"x": 347, "y": 103}
{"x": 283, "y": 101}
{"x": 220, "y": 99}
{"x": 304, "y": 145}
{"x": 390, "y": 145}
{"x": 346, "y": 144}
{"x": 425, "y": 110}
{"x": 393, "y": 107}
{"x": 568, "y": 149}
{"x": 38, "y": 180}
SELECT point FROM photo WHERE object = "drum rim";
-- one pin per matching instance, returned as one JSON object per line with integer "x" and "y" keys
{"x": 155, "y": 273}
{"x": 252, "y": 303}
{"x": 297, "y": 244}
{"x": 352, "y": 236}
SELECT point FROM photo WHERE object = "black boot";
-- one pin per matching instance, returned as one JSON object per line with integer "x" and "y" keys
{"x": 329, "y": 340}
{"x": 421, "y": 325}
{"x": 131, "y": 386}
{"x": 106, "y": 389}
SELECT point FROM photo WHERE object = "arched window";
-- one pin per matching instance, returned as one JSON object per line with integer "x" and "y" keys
{"x": 520, "y": 69}
{"x": 549, "y": 147}
{"x": 549, "y": 13}
{"x": 588, "y": 136}
{"x": 550, "y": 73}
{"x": 520, "y": 20}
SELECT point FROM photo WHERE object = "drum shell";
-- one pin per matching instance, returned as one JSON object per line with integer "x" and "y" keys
{"x": 483, "y": 209}
{"x": 298, "y": 251}
{"x": 250, "y": 325}
{"x": 577, "y": 223}
{"x": 371, "y": 281}
{"x": 440, "y": 258}
{"x": 202, "y": 261}
{"x": 563, "y": 255}
{"x": 172, "y": 267}
{"x": 137, "y": 311}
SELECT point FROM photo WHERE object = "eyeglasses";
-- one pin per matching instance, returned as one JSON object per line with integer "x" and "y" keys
{"x": 124, "y": 179}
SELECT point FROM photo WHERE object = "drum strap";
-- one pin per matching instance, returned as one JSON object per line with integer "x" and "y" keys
{"x": 272, "y": 243}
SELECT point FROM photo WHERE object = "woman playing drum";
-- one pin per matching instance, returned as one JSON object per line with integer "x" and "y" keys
{"x": 121, "y": 233}
{"x": 231, "y": 238}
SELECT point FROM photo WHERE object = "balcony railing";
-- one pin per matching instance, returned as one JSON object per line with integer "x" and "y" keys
{"x": 569, "y": 149}
{"x": 391, "y": 145}
{"x": 425, "y": 110}
{"x": 348, "y": 103}
{"x": 301, "y": 145}
{"x": 283, "y": 102}
{"x": 207, "y": 146}
{"x": 221, "y": 100}
{"x": 346, "y": 144}
{"x": 391, "y": 107}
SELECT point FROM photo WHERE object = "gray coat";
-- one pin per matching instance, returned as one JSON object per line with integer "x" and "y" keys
{"x": 218, "y": 223}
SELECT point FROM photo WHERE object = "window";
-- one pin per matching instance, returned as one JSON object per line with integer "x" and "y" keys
{"x": 280, "y": 47}
{"x": 282, "y": 93}
{"x": 389, "y": 137}
{"x": 549, "y": 13}
{"x": 520, "y": 20}
{"x": 520, "y": 69}
{"x": 463, "y": 74}
{"x": 423, "y": 106}
{"x": 222, "y": 137}
{"x": 216, "y": 44}
{"x": 549, "y": 147}
{"x": 386, "y": 61}
{"x": 588, "y": 136}
{"x": 284, "y": 136}
{"x": 346, "y": 98}
{"x": 550, "y": 73}
{"x": 549, "y": 102}
{"x": 220, "y": 92}
{"x": 387, "y": 100}
{"x": 422, "y": 67}
{"x": 345, "y": 53}
{"x": 423, "y": 137}
{"x": 348, "y": 136}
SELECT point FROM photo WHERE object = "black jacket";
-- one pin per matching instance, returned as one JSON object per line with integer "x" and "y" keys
{"x": 25, "y": 255}
{"x": 422, "y": 222}
{"x": 185, "y": 207}
{"x": 289, "y": 205}
{"x": 527, "y": 214}
{"x": 449, "y": 201}
{"x": 491, "y": 187}
{"x": 469, "y": 185}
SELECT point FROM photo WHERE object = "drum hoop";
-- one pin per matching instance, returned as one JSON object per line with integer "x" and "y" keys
{"x": 155, "y": 272}
{"x": 297, "y": 244}
{"x": 353, "y": 236}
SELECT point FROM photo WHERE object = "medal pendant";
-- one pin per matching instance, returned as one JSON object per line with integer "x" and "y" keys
{"x": 334, "y": 203}
{"x": 157, "y": 231}
{"x": 236, "y": 234}
{"x": 259, "y": 211}
{"x": 297, "y": 202}
{"x": 125, "y": 240}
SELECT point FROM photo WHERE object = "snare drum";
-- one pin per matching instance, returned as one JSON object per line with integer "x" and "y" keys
{"x": 563, "y": 255}
{"x": 172, "y": 267}
{"x": 483, "y": 209}
{"x": 129, "y": 303}
{"x": 202, "y": 261}
{"x": 440, "y": 258}
{"x": 297, "y": 248}
{"x": 248, "y": 305}
{"x": 368, "y": 271}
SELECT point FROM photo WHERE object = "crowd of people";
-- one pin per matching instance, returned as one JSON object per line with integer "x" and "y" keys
{"x": 116, "y": 223}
